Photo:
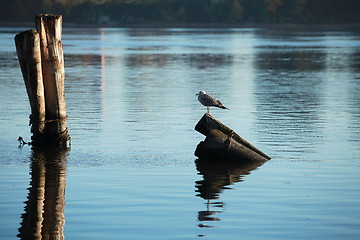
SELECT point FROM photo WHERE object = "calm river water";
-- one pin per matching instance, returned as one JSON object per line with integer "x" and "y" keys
{"x": 131, "y": 171}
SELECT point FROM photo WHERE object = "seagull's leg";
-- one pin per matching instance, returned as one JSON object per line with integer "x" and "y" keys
{"x": 208, "y": 110}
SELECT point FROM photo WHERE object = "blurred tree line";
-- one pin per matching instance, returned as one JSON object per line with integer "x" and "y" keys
{"x": 186, "y": 11}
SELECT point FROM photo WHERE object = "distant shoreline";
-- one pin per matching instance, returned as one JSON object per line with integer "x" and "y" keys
{"x": 187, "y": 25}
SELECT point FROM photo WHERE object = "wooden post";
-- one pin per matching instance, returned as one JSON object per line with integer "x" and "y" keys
{"x": 207, "y": 123}
{"x": 28, "y": 51}
{"x": 41, "y": 60}
{"x": 52, "y": 61}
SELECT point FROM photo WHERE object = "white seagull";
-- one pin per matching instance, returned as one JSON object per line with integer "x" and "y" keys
{"x": 209, "y": 101}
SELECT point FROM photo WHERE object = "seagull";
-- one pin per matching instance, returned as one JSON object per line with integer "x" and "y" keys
{"x": 209, "y": 101}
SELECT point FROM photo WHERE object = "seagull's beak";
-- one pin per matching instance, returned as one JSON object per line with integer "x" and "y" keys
{"x": 196, "y": 94}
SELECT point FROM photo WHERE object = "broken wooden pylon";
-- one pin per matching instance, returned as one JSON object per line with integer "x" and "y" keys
{"x": 223, "y": 143}
{"x": 41, "y": 60}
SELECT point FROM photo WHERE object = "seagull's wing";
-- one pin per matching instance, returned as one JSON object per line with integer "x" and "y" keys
{"x": 208, "y": 100}
{"x": 219, "y": 104}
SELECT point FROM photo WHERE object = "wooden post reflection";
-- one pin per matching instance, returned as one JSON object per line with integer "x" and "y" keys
{"x": 44, "y": 209}
{"x": 217, "y": 176}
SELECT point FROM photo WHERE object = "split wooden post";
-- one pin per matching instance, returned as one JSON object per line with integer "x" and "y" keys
{"x": 41, "y": 60}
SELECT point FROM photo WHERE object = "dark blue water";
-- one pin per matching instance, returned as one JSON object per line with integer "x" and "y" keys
{"x": 131, "y": 171}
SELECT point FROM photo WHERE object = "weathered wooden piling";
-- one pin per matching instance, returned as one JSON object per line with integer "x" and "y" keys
{"x": 28, "y": 51}
{"x": 223, "y": 143}
{"x": 52, "y": 62}
{"x": 41, "y": 60}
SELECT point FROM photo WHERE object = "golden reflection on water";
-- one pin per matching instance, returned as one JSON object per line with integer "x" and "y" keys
{"x": 217, "y": 176}
{"x": 44, "y": 210}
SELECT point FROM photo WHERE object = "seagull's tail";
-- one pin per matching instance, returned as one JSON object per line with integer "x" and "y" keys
{"x": 223, "y": 107}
